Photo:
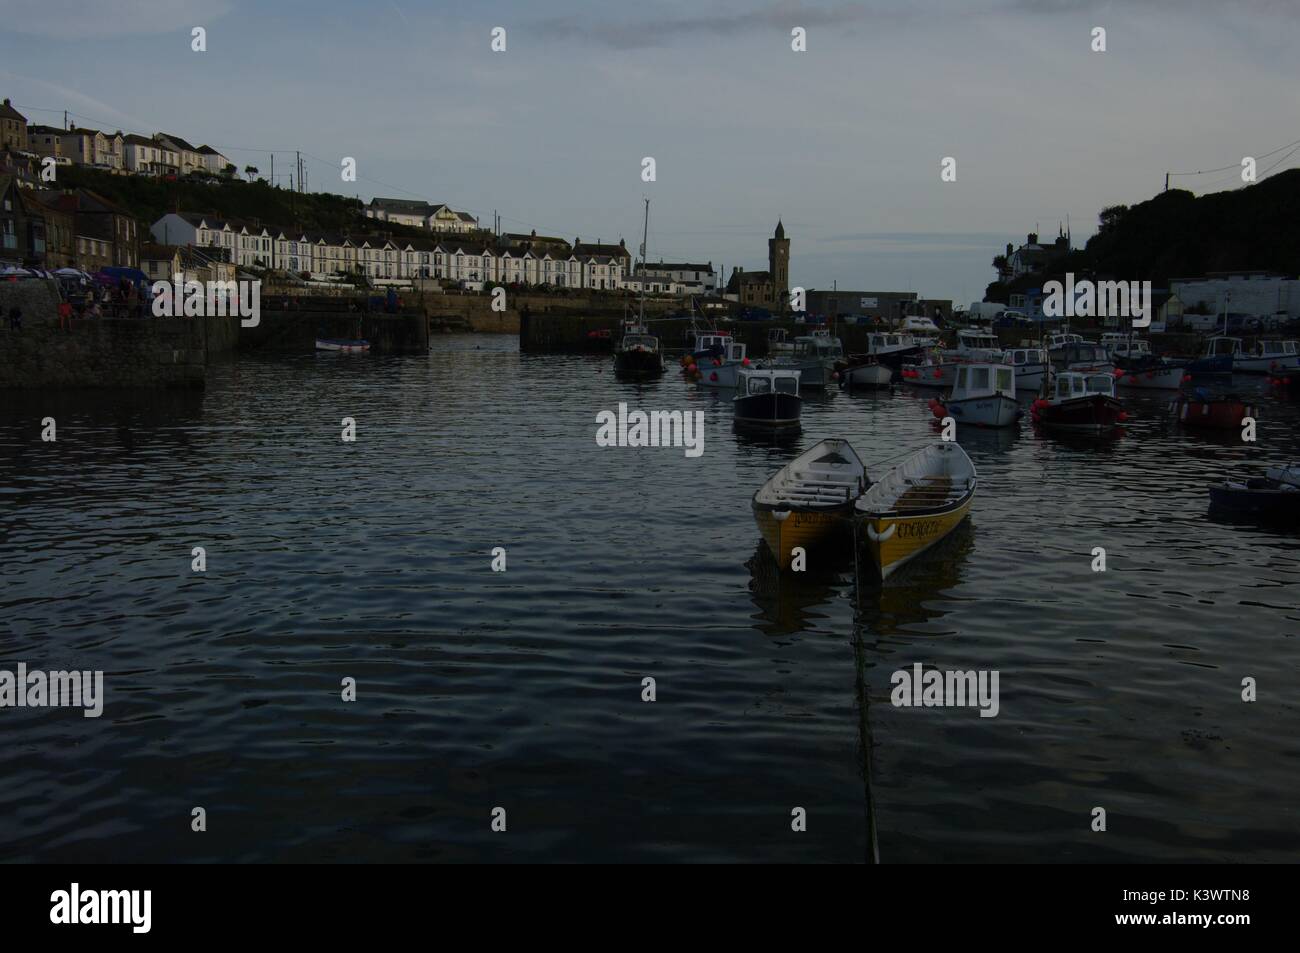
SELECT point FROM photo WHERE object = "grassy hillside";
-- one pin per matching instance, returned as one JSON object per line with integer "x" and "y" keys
{"x": 1178, "y": 235}
{"x": 148, "y": 198}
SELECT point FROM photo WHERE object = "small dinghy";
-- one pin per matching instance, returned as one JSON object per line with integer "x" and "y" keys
{"x": 809, "y": 500}
{"x": 916, "y": 504}
{"x": 353, "y": 345}
{"x": 1274, "y": 497}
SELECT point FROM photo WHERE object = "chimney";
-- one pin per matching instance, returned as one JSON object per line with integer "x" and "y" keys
{"x": 1033, "y": 238}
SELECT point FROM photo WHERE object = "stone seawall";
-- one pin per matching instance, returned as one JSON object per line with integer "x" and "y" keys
{"x": 110, "y": 352}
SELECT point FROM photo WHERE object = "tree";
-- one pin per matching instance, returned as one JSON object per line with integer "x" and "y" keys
{"x": 250, "y": 171}
{"x": 1110, "y": 217}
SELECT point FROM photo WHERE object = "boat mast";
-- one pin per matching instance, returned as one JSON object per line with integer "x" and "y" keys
{"x": 645, "y": 234}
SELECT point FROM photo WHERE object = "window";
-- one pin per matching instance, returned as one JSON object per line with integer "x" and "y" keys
{"x": 1004, "y": 376}
{"x": 961, "y": 378}
{"x": 979, "y": 378}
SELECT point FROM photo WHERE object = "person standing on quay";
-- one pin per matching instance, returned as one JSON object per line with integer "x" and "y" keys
{"x": 65, "y": 315}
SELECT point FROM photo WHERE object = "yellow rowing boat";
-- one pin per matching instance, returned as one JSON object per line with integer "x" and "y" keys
{"x": 810, "y": 499}
{"x": 915, "y": 505}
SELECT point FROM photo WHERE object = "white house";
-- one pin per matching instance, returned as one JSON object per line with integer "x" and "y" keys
{"x": 694, "y": 278}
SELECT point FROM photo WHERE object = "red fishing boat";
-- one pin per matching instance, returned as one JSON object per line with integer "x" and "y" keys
{"x": 1080, "y": 402}
{"x": 1201, "y": 407}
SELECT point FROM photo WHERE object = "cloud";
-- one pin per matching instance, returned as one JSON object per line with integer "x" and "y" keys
{"x": 79, "y": 20}
{"x": 664, "y": 29}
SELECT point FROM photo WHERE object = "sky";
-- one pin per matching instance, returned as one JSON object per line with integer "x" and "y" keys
{"x": 843, "y": 142}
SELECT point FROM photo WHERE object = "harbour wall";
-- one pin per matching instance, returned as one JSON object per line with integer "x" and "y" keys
{"x": 296, "y": 331}
{"x": 111, "y": 352}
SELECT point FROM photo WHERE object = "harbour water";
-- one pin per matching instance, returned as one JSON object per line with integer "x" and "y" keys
{"x": 523, "y": 689}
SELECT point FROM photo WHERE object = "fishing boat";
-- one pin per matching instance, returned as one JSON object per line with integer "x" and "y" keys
{"x": 638, "y": 353}
{"x": 1084, "y": 357}
{"x": 1274, "y": 497}
{"x": 880, "y": 363}
{"x": 974, "y": 344}
{"x": 915, "y": 505}
{"x": 777, "y": 345}
{"x": 984, "y": 395}
{"x": 809, "y": 501}
{"x": 931, "y": 371}
{"x": 767, "y": 398}
{"x": 348, "y": 345}
{"x": 866, "y": 374}
{"x": 1080, "y": 402}
{"x": 1218, "y": 358}
{"x": 722, "y": 371}
{"x": 1269, "y": 357}
{"x": 1030, "y": 365}
{"x": 815, "y": 356}
{"x": 1136, "y": 366}
{"x": 1203, "y": 407}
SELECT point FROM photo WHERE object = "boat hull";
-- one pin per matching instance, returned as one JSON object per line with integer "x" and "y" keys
{"x": 1162, "y": 377}
{"x": 994, "y": 411}
{"x": 342, "y": 345}
{"x": 785, "y": 530}
{"x": 1276, "y": 505}
{"x": 930, "y": 375}
{"x": 1278, "y": 364}
{"x": 1029, "y": 377}
{"x": 1216, "y": 414}
{"x": 638, "y": 362}
{"x": 867, "y": 376}
{"x": 722, "y": 375}
{"x": 1094, "y": 413}
{"x": 895, "y": 540}
{"x": 768, "y": 410}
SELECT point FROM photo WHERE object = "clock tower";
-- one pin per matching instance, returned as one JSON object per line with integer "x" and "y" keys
{"x": 778, "y": 264}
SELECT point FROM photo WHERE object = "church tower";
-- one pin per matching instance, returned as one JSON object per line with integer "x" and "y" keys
{"x": 778, "y": 264}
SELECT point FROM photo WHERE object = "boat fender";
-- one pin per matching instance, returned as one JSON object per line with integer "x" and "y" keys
{"x": 880, "y": 537}
{"x": 713, "y": 376}
{"x": 780, "y": 515}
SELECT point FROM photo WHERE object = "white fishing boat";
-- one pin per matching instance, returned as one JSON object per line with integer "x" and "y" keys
{"x": 810, "y": 499}
{"x": 983, "y": 395}
{"x": 868, "y": 374}
{"x": 1268, "y": 357}
{"x": 1084, "y": 357}
{"x": 637, "y": 353}
{"x": 884, "y": 358}
{"x": 1030, "y": 365}
{"x": 722, "y": 371}
{"x": 915, "y": 505}
{"x": 815, "y": 356}
{"x": 974, "y": 344}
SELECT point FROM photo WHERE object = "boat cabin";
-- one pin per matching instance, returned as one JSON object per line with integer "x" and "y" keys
{"x": 1082, "y": 355}
{"x": 1023, "y": 356}
{"x": 1071, "y": 385}
{"x": 1274, "y": 349}
{"x": 819, "y": 346}
{"x": 917, "y": 324}
{"x": 721, "y": 347}
{"x": 973, "y": 339}
{"x": 1223, "y": 346}
{"x": 643, "y": 342}
{"x": 1059, "y": 339}
{"x": 772, "y": 381}
{"x": 984, "y": 380}
{"x": 884, "y": 343}
{"x": 775, "y": 336}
